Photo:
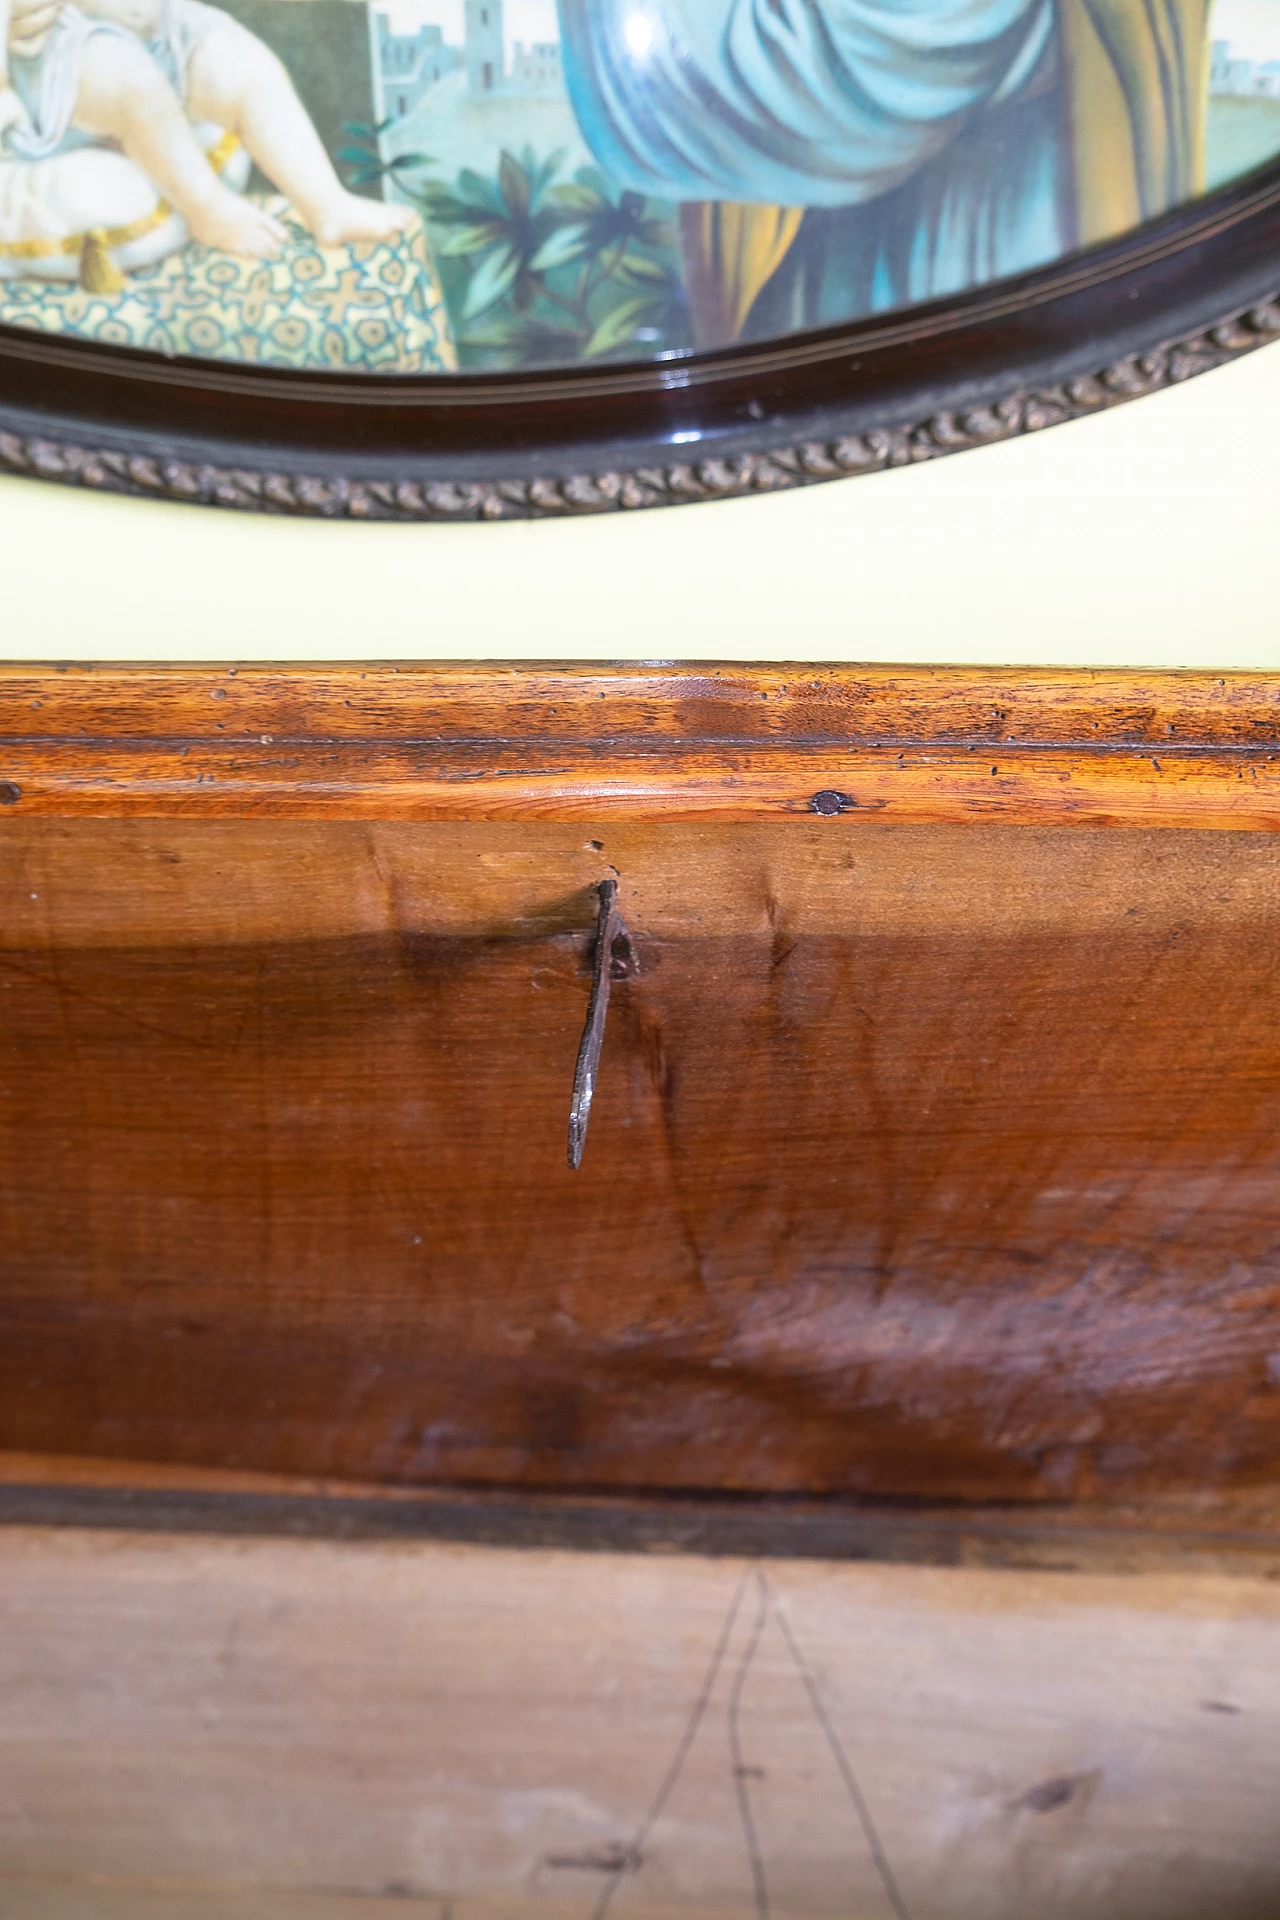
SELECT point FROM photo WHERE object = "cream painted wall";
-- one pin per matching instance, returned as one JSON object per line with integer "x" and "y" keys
{"x": 1145, "y": 536}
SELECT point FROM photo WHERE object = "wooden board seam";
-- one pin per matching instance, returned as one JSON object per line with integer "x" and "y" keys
{"x": 750, "y": 1529}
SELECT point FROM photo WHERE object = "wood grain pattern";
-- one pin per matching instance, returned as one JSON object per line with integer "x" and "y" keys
{"x": 925, "y": 1165}
{"x": 501, "y": 743}
{"x": 279, "y": 1730}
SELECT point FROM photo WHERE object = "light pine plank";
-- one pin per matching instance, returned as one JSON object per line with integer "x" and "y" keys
{"x": 215, "y": 1729}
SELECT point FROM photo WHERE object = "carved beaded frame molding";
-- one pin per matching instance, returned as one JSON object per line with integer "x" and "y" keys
{"x": 658, "y": 486}
{"x": 1181, "y": 296}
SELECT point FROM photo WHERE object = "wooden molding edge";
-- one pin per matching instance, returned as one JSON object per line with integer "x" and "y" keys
{"x": 442, "y": 741}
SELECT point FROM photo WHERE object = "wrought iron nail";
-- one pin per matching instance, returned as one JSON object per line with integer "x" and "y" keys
{"x": 610, "y": 932}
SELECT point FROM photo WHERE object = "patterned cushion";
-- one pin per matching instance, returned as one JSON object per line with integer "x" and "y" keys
{"x": 373, "y": 307}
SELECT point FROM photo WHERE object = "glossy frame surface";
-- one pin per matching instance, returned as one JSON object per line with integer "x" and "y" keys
{"x": 1181, "y": 295}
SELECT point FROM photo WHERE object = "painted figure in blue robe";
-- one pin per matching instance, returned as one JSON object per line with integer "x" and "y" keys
{"x": 835, "y": 158}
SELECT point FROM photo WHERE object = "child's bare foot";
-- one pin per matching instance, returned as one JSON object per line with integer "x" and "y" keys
{"x": 353, "y": 218}
{"x": 234, "y": 225}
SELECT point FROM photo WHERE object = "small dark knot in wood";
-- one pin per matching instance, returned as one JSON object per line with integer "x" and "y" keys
{"x": 614, "y": 959}
{"x": 1050, "y": 1794}
{"x": 829, "y": 801}
{"x": 9, "y": 793}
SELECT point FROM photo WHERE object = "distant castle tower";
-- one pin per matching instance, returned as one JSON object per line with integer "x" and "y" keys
{"x": 486, "y": 46}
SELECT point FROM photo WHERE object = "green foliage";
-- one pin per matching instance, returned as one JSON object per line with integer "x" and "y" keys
{"x": 364, "y": 161}
{"x": 543, "y": 272}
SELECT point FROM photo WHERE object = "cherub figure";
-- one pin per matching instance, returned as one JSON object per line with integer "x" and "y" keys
{"x": 136, "y": 74}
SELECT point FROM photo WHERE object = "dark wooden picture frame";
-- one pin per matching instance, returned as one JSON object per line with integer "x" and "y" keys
{"x": 1178, "y": 296}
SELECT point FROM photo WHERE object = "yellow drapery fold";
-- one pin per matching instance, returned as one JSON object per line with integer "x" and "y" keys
{"x": 730, "y": 251}
{"x": 1136, "y": 76}
{"x": 1137, "y": 83}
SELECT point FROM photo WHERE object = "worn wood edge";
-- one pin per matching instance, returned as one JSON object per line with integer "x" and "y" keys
{"x": 1164, "y": 1537}
{"x": 1222, "y": 790}
{"x": 689, "y": 703}
{"x": 545, "y": 742}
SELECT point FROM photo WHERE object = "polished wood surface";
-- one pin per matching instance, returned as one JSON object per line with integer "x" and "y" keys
{"x": 488, "y": 742}
{"x": 211, "y": 1729}
{"x": 927, "y": 1165}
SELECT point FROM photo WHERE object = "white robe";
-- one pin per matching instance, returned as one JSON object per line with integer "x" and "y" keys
{"x": 57, "y": 184}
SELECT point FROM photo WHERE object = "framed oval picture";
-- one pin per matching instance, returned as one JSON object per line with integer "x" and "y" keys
{"x": 479, "y": 258}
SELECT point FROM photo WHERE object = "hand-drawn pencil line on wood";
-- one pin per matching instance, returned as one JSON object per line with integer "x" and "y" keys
{"x": 624, "y": 1857}
{"x": 759, "y": 1881}
{"x": 687, "y": 1738}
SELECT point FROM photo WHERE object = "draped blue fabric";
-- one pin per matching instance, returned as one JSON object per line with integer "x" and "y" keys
{"x": 939, "y": 121}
